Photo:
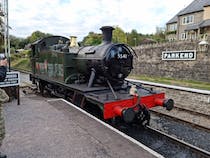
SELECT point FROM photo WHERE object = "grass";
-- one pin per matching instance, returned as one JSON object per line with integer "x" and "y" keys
{"x": 21, "y": 64}
{"x": 170, "y": 81}
{"x": 21, "y": 61}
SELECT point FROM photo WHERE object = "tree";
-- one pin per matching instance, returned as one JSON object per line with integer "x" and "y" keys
{"x": 14, "y": 42}
{"x": 133, "y": 38}
{"x": 17, "y": 43}
{"x": 159, "y": 36}
{"x": 23, "y": 42}
{"x": 37, "y": 35}
{"x": 119, "y": 36}
{"x": 92, "y": 39}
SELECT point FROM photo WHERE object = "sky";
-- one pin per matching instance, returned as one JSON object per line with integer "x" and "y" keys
{"x": 79, "y": 17}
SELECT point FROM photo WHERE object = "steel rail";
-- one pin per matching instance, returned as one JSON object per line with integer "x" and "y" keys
{"x": 192, "y": 111}
{"x": 192, "y": 90}
{"x": 180, "y": 120}
{"x": 191, "y": 147}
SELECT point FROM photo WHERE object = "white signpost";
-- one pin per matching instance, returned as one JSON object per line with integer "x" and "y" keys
{"x": 12, "y": 80}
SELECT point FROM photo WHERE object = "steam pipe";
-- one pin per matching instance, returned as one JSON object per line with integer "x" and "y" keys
{"x": 92, "y": 77}
{"x": 110, "y": 86}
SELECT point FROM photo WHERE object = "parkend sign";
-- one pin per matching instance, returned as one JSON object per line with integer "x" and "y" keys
{"x": 179, "y": 55}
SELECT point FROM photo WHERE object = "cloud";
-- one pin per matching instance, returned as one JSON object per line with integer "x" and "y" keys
{"x": 79, "y": 17}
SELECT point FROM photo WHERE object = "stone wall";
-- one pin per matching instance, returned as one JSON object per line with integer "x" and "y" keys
{"x": 150, "y": 63}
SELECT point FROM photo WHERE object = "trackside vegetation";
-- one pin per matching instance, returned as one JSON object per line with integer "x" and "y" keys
{"x": 21, "y": 61}
{"x": 172, "y": 81}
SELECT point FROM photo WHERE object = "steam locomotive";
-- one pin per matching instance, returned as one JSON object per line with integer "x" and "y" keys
{"x": 93, "y": 77}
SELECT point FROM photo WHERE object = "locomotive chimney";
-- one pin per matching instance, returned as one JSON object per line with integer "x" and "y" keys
{"x": 107, "y": 33}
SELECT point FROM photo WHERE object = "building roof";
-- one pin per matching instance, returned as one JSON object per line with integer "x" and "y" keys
{"x": 173, "y": 20}
{"x": 204, "y": 23}
{"x": 195, "y": 6}
{"x": 192, "y": 27}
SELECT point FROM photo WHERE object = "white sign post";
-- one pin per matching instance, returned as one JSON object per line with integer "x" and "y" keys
{"x": 12, "y": 79}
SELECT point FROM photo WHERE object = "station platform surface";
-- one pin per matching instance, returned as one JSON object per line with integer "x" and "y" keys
{"x": 52, "y": 128}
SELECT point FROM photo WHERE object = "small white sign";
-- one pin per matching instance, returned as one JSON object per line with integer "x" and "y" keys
{"x": 179, "y": 55}
{"x": 12, "y": 79}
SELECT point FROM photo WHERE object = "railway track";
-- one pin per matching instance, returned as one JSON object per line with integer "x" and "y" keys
{"x": 165, "y": 144}
{"x": 192, "y": 111}
{"x": 198, "y": 152}
{"x": 193, "y": 118}
{"x": 182, "y": 131}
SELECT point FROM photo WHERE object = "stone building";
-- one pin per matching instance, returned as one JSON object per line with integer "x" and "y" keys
{"x": 191, "y": 23}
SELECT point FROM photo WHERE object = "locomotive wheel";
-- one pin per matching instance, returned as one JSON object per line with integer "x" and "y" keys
{"x": 41, "y": 86}
{"x": 146, "y": 118}
{"x": 143, "y": 116}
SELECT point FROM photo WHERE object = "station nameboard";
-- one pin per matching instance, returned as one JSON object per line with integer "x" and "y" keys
{"x": 179, "y": 55}
{"x": 12, "y": 79}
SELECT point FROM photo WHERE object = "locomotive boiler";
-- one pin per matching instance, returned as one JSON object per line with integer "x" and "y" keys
{"x": 105, "y": 62}
{"x": 93, "y": 77}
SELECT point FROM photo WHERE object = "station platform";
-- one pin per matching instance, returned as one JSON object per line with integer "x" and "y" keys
{"x": 54, "y": 128}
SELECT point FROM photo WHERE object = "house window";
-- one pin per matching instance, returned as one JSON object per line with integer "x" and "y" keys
{"x": 192, "y": 36}
{"x": 183, "y": 36}
{"x": 172, "y": 27}
{"x": 188, "y": 20}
